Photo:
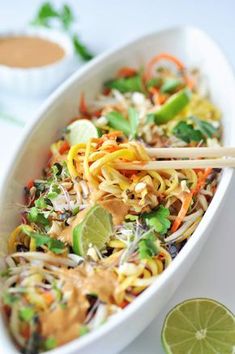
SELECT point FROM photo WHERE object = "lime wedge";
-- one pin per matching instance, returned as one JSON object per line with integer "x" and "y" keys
{"x": 81, "y": 131}
{"x": 174, "y": 105}
{"x": 95, "y": 230}
{"x": 199, "y": 326}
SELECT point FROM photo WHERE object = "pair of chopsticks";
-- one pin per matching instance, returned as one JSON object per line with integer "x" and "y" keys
{"x": 219, "y": 157}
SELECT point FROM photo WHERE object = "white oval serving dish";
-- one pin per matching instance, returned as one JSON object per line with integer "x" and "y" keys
{"x": 38, "y": 81}
{"x": 195, "y": 48}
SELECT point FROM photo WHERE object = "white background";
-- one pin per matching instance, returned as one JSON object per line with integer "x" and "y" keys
{"x": 104, "y": 24}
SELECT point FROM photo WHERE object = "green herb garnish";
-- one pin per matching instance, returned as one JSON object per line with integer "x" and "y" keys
{"x": 56, "y": 169}
{"x": 36, "y": 216}
{"x": 53, "y": 244}
{"x": 54, "y": 191}
{"x": 40, "y": 203}
{"x": 50, "y": 343}
{"x": 81, "y": 49}
{"x": 147, "y": 246}
{"x": 158, "y": 219}
{"x": 83, "y": 330}
{"x": 26, "y": 313}
{"x": 170, "y": 85}
{"x": 187, "y": 132}
{"x": 118, "y": 122}
{"x": 134, "y": 121}
{"x": 45, "y": 13}
{"x": 129, "y": 84}
{"x": 9, "y": 299}
{"x": 206, "y": 128}
{"x": 65, "y": 18}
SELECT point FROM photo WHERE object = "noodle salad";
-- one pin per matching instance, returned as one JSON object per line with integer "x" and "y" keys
{"x": 93, "y": 236}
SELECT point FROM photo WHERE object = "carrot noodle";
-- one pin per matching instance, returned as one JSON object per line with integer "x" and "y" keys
{"x": 165, "y": 56}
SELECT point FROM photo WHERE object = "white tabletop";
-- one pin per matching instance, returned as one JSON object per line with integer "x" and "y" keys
{"x": 107, "y": 23}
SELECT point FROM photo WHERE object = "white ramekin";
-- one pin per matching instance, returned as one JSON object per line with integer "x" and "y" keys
{"x": 39, "y": 81}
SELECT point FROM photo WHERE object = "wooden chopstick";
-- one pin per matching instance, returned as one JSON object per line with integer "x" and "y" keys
{"x": 223, "y": 157}
{"x": 175, "y": 164}
{"x": 191, "y": 152}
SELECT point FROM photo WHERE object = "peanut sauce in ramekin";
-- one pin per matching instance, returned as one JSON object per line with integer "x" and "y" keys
{"x": 29, "y": 52}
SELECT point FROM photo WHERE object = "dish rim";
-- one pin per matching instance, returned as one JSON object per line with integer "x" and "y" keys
{"x": 197, "y": 235}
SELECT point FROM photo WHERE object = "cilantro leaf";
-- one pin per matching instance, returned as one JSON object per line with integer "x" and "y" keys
{"x": 26, "y": 313}
{"x": 9, "y": 299}
{"x": 81, "y": 50}
{"x": 170, "y": 85}
{"x": 54, "y": 191}
{"x": 158, "y": 219}
{"x": 56, "y": 169}
{"x": 40, "y": 203}
{"x": 134, "y": 121}
{"x": 53, "y": 244}
{"x": 56, "y": 246}
{"x": 45, "y": 13}
{"x": 118, "y": 122}
{"x": 128, "y": 84}
{"x": 147, "y": 247}
{"x": 66, "y": 16}
{"x": 206, "y": 128}
{"x": 187, "y": 133}
{"x": 37, "y": 216}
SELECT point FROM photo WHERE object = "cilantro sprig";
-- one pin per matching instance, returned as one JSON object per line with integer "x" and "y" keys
{"x": 199, "y": 130}
{"x": 128, "y": 84}
{"x": 206, "y": 128}
{"x": 26, "y": 313}
{"x": 147, "y": 246}
{"x": 54, "y": 245}
{"x": 158, "y": 219}
{"x": 35, "y": 215}
{"x": 128, "y": 126}
{"x": 187, "y": 132}
{"x": 64, "y": 17}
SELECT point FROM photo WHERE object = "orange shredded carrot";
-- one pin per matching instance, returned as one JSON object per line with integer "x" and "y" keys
{"x": 157, "y": 96}
{"x": 64, "y": 147}
{"x": 202, "y": 177}
{"x": 112, "y": 148}
{"x": 173, "y": 59}
{"x": 126, "y": 72}
{"x": 124, "y": 304}
{"x": 112, "y": 135}
{"x": 97, "y": 113}
{"x": 186, "y": 201}
{"x": 48, "y": 297}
